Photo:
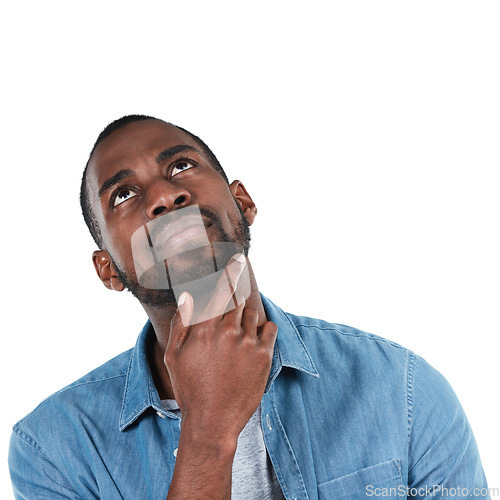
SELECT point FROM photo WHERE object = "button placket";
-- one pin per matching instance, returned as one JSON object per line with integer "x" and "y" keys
{"x": 273, "y": 437}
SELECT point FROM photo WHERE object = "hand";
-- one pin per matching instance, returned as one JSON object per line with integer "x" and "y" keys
{"x": 219, "y": 367}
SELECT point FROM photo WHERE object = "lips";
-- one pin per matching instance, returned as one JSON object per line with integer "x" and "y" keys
{"x": 179, "y": 232}
{"x": 185, "y": 235}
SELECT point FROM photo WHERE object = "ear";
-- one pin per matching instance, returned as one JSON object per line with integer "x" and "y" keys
{"x": 106, "y": 270}
{"x": 243, "y": 199}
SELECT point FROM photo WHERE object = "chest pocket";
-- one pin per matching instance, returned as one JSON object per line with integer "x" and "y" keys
{"x": 365, "y": 483}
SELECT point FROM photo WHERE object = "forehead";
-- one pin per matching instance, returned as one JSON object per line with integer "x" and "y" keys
{"x": 131, "y": 144}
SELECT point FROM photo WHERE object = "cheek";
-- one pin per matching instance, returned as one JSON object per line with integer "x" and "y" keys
{"x": 117, "y": 234}
{"x": 117, "y": 242}
{"x": 230, "y": 222}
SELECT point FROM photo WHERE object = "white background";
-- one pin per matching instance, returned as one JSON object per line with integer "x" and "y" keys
{"x": 367, "y": 133}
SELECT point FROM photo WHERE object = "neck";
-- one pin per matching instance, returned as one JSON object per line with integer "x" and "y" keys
{"x": 161, "y": 318}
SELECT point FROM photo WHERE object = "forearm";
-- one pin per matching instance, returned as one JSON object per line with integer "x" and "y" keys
{"x": 218, "y": 369}
{"x": 203, "y": 467}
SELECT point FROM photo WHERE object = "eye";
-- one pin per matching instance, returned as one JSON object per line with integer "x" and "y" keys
{"x": 122, "y": 195}
{"x": 182, "y": 165}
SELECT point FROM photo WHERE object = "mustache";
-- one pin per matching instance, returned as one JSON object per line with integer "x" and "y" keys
{"x": 211, "y": 216}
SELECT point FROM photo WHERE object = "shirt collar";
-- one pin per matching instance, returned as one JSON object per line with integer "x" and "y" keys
{"x": 289, "y": 349}
{"x": 140, "y": 392}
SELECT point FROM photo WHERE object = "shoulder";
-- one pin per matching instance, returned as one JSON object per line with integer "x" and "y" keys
{"x": 105, "y": 382}
{"x": 49, "y": 446}
{"x": 347, "y": 342}
{"x": 352, "y": 346}
{"x": 440, "y": 443}
{"x": 348, "y": 353}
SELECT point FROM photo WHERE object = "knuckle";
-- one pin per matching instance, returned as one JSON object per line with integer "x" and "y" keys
{"x": 200, "y": 332}
{"x": 168, "y": 357}
{"x": 263, "y": 352}
{"x": 231, "y": 331}
{"x": 205, "y": 326}
{"x": 248, "y": 342}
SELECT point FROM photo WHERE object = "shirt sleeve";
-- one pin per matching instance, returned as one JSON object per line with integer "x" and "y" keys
{"x": 443, "y": 456}
{"x": 32, "y": 473}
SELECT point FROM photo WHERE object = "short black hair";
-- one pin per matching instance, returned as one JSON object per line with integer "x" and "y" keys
{"x": 88, "y": 214}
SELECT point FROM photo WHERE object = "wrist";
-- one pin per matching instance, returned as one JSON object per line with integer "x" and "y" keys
{"x": 209, "y": 442}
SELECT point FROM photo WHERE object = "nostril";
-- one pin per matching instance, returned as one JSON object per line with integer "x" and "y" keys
{"x": 178, "y": 201}
{"x": 159, "y": 210}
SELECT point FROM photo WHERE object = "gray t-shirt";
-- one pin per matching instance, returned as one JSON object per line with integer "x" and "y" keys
{"x": 253, "y": 474}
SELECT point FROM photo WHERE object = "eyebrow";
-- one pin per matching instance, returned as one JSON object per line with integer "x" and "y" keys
{"x": 114, "y": 179}
{"x": 169, "y": 152}
{"x": 125, "y": 173}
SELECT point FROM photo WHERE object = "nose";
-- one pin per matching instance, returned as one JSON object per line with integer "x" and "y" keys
{"x": 164, "y": 196}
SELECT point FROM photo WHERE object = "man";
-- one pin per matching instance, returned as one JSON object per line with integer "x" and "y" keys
{"x": 225, "y": 394}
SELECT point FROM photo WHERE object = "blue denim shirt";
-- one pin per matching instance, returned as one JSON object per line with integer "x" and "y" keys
{"x": 345, "y": 414}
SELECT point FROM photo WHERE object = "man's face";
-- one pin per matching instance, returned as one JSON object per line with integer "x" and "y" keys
{"x": 148, "y": 169}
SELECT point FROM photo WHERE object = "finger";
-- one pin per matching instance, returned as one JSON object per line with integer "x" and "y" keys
{"x": 225, "y": 287}
{"x": 243, "y": 288}
{"x": 249, "y": 322}
{"x": 181, "y": 321}
{"x": 236, "y": 300}
{"x": 234, "y": 316}
{"x": 268, "y": 333}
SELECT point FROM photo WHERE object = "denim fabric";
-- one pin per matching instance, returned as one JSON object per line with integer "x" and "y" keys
{"x": 345, "y": 414}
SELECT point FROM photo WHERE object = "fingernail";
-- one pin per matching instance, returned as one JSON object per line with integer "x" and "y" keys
{"x": 181, "y": 300}
{"x": 240, "y": 258}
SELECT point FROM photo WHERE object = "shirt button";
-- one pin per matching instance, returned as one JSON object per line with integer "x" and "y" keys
{"x": 175, "y": 452}
{"x": 268, "y": 422}
{"x": 160, "y": 415}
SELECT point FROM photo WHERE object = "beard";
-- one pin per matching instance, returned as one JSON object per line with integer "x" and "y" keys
{"x": 159, "y": 298}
